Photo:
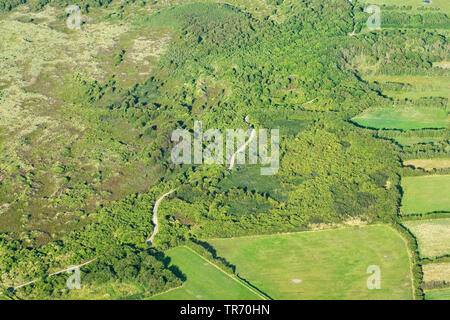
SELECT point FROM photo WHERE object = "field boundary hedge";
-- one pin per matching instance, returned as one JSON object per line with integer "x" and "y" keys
{"x": 201, "y": 248}
{"x": 416, "y": 265}
{"x": 234, "y": 277}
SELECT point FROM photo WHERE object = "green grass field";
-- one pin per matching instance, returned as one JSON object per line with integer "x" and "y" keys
{"x": 328, "y": 264}
{"x": 418, "y": 85}
{"x": 428, "y": 164}
{"x": 444, "y": 5}
{"x": 410, "y": 138}
{"x": 403, "y": 118}
{"x": 409, "y": 141}
{"x": 433, "y": 236}
{"x": 436, "y": 272}
{"x": 204, "y": 281}
{"x": 417, "y": 93}
{"x": 441, "y": 294}
{"x": 425, "y": 194}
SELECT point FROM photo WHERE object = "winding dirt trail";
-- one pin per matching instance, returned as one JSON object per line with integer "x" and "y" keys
{"x": 158, "y": 202}
{"x": 149, "y": 241}
{"x": 54, "y": 274}
{"x": 155, "y": 216}
{"x": 242, "y": 148}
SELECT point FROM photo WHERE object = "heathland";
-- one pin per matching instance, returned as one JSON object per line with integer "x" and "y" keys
{"x": 86, "y": 118}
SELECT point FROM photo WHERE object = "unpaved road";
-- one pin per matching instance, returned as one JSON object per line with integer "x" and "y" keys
{"x": 149, "y": 241}
{"x": 155, "y": 216}
{"x": 54, "y": 274}
{"x": 242, "y": 148}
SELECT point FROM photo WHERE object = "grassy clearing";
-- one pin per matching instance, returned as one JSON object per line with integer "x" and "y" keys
{"x": 428, "y": 164}
{"x": 417, "y": 93}
{"x": 415, "y": 86}
{"x": 440, "y": 294}
{"x": 410, "y": 138}
{"x": 289, "y": 127}
{"x": 443, "y": 5}
{"x": 433, "y": 236}
{"x": 176, "y": 17}
{"x": 425, "y": 194}
{"x": 436, "y": 272}
{"x": 142, "y": 51}
{"x": 442, "y": 64}
{"x": 250, "y": 178}
{"x": 108, "y": 291}
{"x": 328, "y": 264}
{"x": 204, "y": 281}
{"x": 409, "y": 141}
{"x": 258, "y": 8}
{"x": 403, "y": 118}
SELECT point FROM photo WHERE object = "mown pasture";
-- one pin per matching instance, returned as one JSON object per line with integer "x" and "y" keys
{"x": 440, "y": 294}
{"x": 433, "y": 236}
{"x": 330, "y": 264}
{"x": 424, "y": 194}
{"x": 409, "y": 141}
{"x": 204, "y": 280}
{"x": 436, "y": 272}
{"x": 442, "y": 5}
{"x": 413, "y": 86}
{"x": 428, "y": 164}
{"x": 413, "y": 137}
{"x": 403, "y": 118}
